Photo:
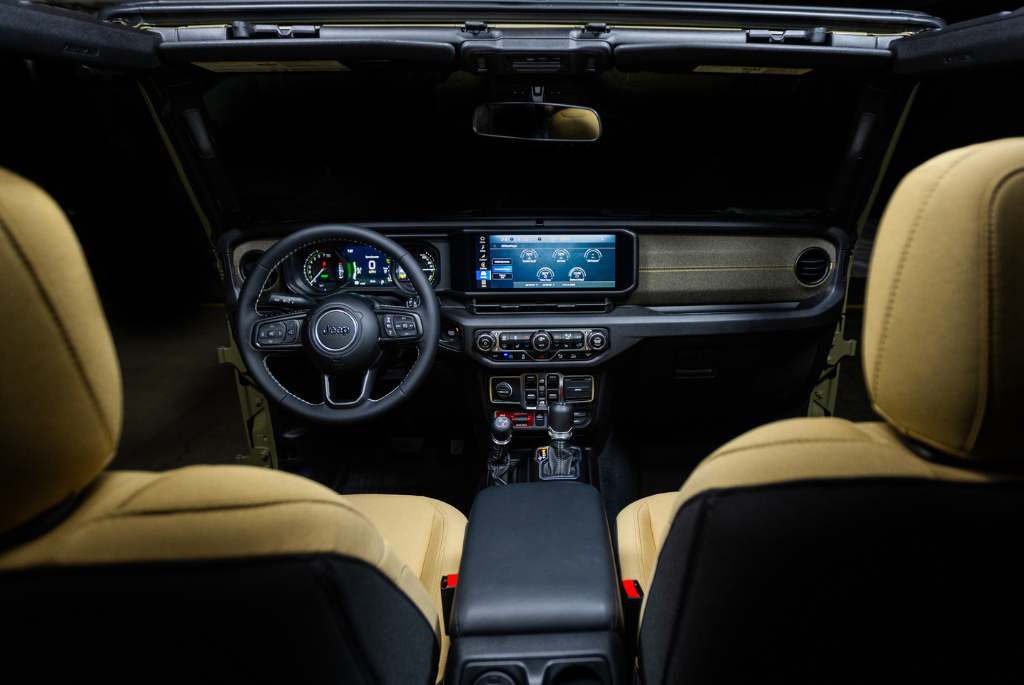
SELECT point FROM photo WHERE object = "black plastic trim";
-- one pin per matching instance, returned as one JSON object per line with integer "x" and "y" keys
{"x": 688, "y": 13}
{"x": 40, "y": 30}
{"x": 994, "y": 40}
{"x": 749, "y": 54}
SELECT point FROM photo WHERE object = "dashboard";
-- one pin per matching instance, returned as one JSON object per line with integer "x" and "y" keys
{"x": 515, "y": 294}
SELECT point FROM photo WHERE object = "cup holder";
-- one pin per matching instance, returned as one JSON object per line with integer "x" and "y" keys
{"x": 576, "y": 674}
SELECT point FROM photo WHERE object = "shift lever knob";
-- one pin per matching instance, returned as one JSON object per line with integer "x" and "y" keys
{"x": 501, "y": 430}
{"x": 560, "y": 421}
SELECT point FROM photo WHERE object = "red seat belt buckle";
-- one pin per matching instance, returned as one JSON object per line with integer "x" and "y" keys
{"x": 448, "y": 584}
{"x": 632, "y": 589}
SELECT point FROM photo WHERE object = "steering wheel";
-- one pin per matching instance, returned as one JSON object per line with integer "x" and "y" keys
{"x": 344, "y": 334}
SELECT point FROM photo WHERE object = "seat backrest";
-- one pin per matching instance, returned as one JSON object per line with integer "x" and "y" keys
{"x": 819, "y": 549}
{"x": 226, "y": 572}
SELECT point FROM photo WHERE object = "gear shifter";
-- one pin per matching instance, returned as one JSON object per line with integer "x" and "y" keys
{"x": 561, "y": 462}
{"x": 498, "y": 461}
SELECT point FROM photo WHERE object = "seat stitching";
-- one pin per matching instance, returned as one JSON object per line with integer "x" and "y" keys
{"x": 901, "y": 263}
{"x": 435, "y": 590}
{"x": 638, "y": 534}
{"x": 776, "y": 443}
{"x": 104, "y": 421}
{"x": 989, "y": 348}
{"x": 222, "y": 507}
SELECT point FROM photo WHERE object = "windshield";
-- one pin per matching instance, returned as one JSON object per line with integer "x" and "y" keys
{"x": 364, "y": 145}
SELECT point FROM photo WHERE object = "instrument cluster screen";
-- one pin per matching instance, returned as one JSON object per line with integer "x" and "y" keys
{"x": 367, "y": 266}
{"x": 545, "y": 262}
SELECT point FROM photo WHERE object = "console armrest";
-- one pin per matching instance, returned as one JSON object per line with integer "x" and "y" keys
{"x": 537, "y": 559}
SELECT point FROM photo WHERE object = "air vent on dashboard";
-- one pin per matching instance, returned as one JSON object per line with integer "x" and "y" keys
{"x": 541, "y": 307}
{"x": 812, "y": 266}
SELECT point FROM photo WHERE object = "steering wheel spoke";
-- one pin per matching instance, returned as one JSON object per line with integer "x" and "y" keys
{"x": 364, "y": 393}
{"x": 399, "y": 325}
{"x": 278, "y": 333}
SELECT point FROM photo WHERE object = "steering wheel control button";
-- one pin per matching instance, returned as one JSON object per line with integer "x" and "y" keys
{"x": 291, "y": 334}
{"x": 405, "y": 326}
{"x": 335, "y": 330}
{"x": 271, "y": 334}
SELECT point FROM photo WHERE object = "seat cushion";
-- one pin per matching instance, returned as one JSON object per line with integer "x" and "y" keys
{"x": 201, "y": 519}
{"x": 426, "y": 533}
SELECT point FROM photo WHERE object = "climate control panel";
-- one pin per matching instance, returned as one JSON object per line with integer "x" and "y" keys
{"x": 564, "y": 345}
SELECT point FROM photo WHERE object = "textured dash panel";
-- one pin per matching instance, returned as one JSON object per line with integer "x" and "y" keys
{"x": 723, "y": 269}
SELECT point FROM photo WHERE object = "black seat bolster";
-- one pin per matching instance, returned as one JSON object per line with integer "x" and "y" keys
{"x": 288, "y": 618}
{"x": 838, "y": 580}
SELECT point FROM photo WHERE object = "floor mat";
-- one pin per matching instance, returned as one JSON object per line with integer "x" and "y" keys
{"x": 180, "y": 404}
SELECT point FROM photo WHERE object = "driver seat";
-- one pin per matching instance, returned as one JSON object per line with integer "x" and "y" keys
{"x": 206, "y": 571}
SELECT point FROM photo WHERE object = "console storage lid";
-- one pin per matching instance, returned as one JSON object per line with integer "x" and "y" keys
{"x": 537, "y": 559}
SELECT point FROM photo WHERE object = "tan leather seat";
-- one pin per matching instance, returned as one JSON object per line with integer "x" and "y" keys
{"x": 820, "y": 548}
{"x": 212, "y": 570}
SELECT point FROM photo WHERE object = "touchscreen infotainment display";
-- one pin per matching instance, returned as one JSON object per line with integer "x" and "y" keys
{"x": 545, "y": 262}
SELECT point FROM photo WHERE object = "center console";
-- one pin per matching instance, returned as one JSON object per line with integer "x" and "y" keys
{"x": 537, "y": 600}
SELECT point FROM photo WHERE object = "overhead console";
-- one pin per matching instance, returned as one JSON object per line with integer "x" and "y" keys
{"x": 566, "y": 263}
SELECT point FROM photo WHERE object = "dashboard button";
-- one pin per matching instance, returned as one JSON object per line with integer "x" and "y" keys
{"x": 485, "y": 342}
{"x": 541, "y": 341}
{"x": 597, "y": 340}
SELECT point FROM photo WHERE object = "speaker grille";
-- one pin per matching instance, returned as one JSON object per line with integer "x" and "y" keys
{"x": 812, "y": 266}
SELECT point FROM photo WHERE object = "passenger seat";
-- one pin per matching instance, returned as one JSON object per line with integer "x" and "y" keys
{"x": 820, "y": 549}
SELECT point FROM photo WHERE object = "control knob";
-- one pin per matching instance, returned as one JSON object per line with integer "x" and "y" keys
{"x": 597, "y": 340}
{"x": 485, "y": 342}
{"x": 541, "y": 341}
{"x": 503, "y": 390}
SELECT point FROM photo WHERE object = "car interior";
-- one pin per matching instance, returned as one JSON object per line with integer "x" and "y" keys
{"x": 511, "y": 343}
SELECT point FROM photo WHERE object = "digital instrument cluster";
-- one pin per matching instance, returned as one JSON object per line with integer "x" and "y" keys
{"x": 326, "y": 269}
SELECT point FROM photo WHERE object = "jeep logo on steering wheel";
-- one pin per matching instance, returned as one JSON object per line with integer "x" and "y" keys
{"x": 335, "y": 330}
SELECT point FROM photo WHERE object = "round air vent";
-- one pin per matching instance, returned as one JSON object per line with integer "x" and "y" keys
{"x": 812, "y": 266}
{"x": 248, "y": 261}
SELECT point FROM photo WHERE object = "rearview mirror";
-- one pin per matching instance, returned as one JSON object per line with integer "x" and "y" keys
{"x": 537, "y": 121}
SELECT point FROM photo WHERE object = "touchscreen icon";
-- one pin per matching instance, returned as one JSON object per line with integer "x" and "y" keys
{"x": 529, "y": 255}
{"x": 560, "y": 255}
{"x": 592, "y": 255}
{"x": 577, "y": 274}
{"x": 545, "y": 274}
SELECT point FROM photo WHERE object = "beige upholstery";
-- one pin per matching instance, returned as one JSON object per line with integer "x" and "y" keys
{"x": 942, "y": 354}
{"x": 223, "y": 512}
{"x": 426, "y": 533}
{"x": 641, "y": 529}
{"x": 60, "y": 397}
{"x": 60, "y": 384}
{"x": 793, "y": 450}
{"x": 944, "y": 315}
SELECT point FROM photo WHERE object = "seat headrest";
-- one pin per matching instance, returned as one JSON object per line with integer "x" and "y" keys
{"x": 60, "y": 384}
{"x": 944, "y": 315}
{"x": 575, "y": 123}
